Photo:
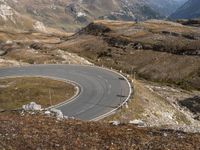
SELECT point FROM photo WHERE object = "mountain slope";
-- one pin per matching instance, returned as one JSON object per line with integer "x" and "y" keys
{"x": 190, "y": 9}
{"x": 70, "y": 15}
{"x": 11, "y": 20}
{"x": 165, "y": 7}
{"x": 9, "y": 17}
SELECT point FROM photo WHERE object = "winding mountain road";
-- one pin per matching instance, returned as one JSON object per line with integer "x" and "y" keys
{"x": 102, "y": 91}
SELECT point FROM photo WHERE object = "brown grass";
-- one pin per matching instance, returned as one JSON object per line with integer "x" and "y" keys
{"x": 15, "y": 92}
{"x": 42, "y": 132}
{"x": 149, "y": 107}
{"x": 167, "y": 54}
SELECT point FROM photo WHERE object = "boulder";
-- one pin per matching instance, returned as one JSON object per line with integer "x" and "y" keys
{"x": 115, "y": 123}
{"x": 58, "y": 113}
{"x": 32, "y": 107}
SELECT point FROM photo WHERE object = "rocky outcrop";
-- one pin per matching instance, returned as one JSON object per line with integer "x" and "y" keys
{"x": 95, "y": 29}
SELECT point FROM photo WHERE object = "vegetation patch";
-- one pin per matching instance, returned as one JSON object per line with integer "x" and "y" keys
{"x": 158, "y": 51}
{"x": 42, "y": 132}
{"x": 15, "y": 92}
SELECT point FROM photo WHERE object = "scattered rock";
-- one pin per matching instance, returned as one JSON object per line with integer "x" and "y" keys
{"x": 47, "y": 112}
{"x": 115, "y": 123}
{"x": 57, "y": 113}
{"x": 137, "y": 122}
{"x": 2, "y": 110}
{"x": 138, "y": 46}
{"x": 32, "y": 107}
{"x": 2, "y": 53}
{"x": 165, "y": 134}
{"x": 9, "y": 42}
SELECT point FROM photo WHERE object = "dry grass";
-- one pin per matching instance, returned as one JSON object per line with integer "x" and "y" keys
{"x": 42, "y": 132}
{"x": 15, "y": 92}
{"x": 149, "y": 107}
{"x": 34, "y": 57}
{"x": 159, "y": 59}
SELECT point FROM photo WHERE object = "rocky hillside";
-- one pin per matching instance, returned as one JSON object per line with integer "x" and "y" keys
{"x": 71, "y": 15}
{"x": 189, "y": 10}
{"x": 13, "y": 19}
{"x": 9, "y": 17}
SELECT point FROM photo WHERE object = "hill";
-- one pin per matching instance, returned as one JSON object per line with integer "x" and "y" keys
{"x": 147, "y": 48}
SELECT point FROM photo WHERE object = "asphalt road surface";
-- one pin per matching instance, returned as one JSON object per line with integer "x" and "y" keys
{"x": 101, "y": 90}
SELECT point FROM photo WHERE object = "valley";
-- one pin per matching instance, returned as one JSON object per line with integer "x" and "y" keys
{"x": 136, "y": 62}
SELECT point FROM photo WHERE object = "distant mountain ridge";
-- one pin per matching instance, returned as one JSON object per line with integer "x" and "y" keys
{"x": 71, "y": 15}
{"x": 191, "y": 9}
